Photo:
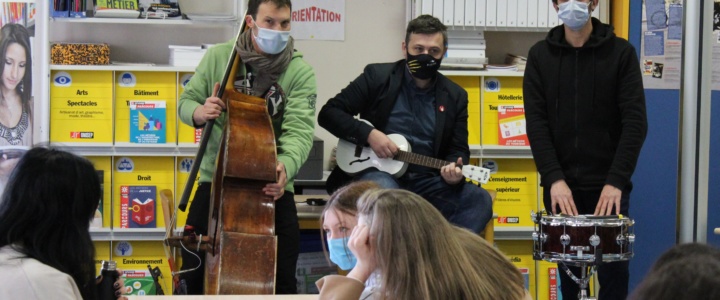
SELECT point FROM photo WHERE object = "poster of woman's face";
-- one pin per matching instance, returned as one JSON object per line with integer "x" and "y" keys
{"x": 16, "y": 84}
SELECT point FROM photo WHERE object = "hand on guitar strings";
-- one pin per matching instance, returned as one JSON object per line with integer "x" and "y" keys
{"x": 276, "y": 190}
{"x": 452, "y": 172}
{"x": 381, "y": 144}
{"x": 211, "y": 110}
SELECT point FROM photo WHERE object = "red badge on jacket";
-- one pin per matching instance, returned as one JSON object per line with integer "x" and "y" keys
{"x": 442, "y": 108}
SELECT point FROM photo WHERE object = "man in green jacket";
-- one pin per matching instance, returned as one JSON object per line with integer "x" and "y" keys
{"x": 274, "y": 71}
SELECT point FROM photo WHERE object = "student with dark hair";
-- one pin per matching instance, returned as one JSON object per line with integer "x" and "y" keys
{"x": 411, "y": 98}
{"x": 45, "y": 247}
{"x": 685, "y": 272}
{"x": 273, "y": 70}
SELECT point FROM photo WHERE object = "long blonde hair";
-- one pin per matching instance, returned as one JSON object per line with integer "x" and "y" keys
{"x": 422, "y": 256}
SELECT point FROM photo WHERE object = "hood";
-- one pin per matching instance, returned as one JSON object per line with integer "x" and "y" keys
{"x": 601, "y": 34}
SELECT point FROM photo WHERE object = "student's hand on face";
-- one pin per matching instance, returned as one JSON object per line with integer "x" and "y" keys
{"x": 609, "y": 197}
{"x": 452, "y": 172}
{"x": 361, "y": 246}
{"x": 276, "y": 190}
{"x": 212, "y": 108}
{"x": 562, "y": 196}
{"x": 381, "y": 144}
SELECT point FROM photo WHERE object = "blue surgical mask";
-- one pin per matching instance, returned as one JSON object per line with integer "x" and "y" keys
{"x": 340, "y": 254}
{"x": 271, "y": 41}
{"x": 574, "y": 14}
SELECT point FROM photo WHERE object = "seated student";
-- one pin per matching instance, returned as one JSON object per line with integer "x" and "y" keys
{"x": 338, "y": 219}
{"x": 419, "y": 255}
{"x": 686, "y": 271}
{"x": 45, "y": 247}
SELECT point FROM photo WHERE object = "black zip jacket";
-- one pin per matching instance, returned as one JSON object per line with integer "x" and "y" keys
{"x": 373, "y": 94}
{"x": 585, "y": 109}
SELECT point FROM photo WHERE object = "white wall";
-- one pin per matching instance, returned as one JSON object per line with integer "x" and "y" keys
{"x": 374, "y": 31}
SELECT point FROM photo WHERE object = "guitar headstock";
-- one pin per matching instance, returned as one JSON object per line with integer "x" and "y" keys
{"x": 476, "y": 173}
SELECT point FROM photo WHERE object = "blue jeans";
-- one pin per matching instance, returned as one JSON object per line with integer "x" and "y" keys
{"x": 465, "y": 205}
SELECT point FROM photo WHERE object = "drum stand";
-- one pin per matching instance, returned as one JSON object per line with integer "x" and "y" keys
{"x": 586, "y": 273}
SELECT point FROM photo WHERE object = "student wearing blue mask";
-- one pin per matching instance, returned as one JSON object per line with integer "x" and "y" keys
{"x": 586, "y": 120}
{"x": 403, "y": 244}
{"x": 273, "y": 70}
{"x": 338, "y": 219}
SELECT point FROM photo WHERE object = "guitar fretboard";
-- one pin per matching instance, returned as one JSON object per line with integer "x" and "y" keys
{"x": 418, "y": 159}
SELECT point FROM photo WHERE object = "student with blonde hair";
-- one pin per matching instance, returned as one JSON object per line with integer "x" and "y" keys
{"x": 417, "y": 254}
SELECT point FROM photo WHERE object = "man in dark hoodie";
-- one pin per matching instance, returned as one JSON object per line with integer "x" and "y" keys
{"x": 586, "y": 121}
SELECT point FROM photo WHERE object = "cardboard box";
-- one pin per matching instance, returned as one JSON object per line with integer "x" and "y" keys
{"x": 80, "y": 54}
{"x": 313, "y": 167}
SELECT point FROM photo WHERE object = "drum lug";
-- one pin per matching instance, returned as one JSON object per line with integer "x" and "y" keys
{"x": 565, "y": 239}
{"x": 594, "y": 240}
{"x": 539, "y": 237}
{"x": 631, "y": 238}
{"x": 620, "y": 239}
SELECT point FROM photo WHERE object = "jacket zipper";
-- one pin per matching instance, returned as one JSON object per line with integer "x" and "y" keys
{"x": 577, "y": 91}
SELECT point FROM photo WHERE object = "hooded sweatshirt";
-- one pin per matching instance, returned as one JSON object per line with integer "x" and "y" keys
{"x": 585, "y": 109}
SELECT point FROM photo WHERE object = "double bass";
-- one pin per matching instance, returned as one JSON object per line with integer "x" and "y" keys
{"x": 241, "y": 246}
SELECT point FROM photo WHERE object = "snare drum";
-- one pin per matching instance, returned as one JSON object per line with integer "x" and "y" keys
{"x": 576, "y": 239}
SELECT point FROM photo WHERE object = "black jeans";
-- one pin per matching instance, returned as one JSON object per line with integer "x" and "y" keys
{"x": 613, "y": 277}
{"x": 287, "y": 229}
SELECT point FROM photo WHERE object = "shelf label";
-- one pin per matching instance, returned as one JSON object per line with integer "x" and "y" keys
{"x": 81, "y": 107}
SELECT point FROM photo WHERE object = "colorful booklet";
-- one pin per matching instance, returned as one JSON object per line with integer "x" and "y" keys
{"x": 147, "y": 122}
{"x": 511, "y": 126}
{"x": 137, "y": 206}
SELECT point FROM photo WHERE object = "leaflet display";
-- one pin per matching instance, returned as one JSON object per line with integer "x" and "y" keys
{"x": 516, "y": 183}
{"x": 140, "y": 178}
{"x": 145, "y": 86}
{"x": 81, "y": 107}
{"x": 498, "y": 91}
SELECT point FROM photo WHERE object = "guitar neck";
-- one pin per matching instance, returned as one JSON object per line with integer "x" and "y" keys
{"x": 418, "y": 159}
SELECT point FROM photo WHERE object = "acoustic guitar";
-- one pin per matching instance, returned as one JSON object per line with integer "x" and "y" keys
{"x": 353, "y": 163}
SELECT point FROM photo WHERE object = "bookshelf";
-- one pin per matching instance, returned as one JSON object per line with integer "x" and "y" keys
{"x": 141, "y": 45}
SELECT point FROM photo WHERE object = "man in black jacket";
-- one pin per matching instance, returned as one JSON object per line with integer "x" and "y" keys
{"x": 411, "y": 98}
{"x": 586, "y": 121}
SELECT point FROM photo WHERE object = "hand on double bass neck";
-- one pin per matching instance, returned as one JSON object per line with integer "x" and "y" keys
{"x": 212, "y": 108}
{"x": 276, "y": 190}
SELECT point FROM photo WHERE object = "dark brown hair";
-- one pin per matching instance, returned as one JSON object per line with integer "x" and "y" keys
{"x": 253, "y": 5}
{"x": 426, "y": 24}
